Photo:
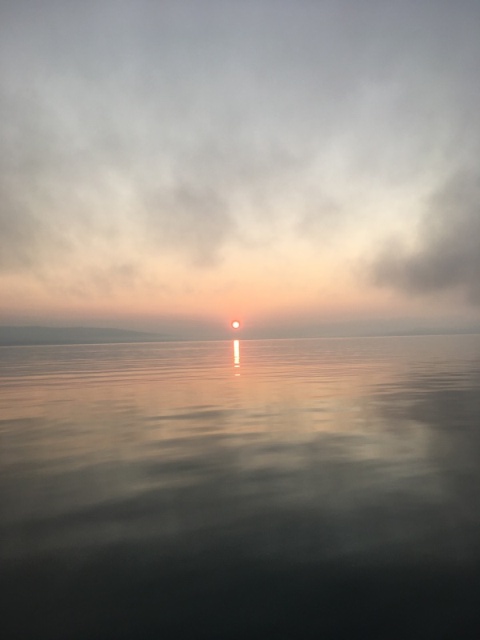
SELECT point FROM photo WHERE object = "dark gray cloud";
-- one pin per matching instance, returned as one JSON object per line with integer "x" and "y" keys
{"x": 447, "y": 252}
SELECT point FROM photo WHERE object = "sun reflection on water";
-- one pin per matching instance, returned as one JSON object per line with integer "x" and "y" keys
{"x": 236, "y": 355}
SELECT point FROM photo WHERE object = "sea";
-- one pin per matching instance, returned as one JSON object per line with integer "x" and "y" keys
{"x": 325, "y": 488}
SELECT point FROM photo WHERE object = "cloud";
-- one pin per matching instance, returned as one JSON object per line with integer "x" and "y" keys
{"x": 191, "y": 219}
{"x": 129, "y": 131}
{"x": 447, "y": 252}
{"x": 22, "y": 232}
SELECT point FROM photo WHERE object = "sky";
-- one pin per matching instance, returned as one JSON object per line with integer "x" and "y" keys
{"x": 302, "y": 166}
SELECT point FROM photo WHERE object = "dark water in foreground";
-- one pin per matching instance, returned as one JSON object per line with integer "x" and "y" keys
{"x": 320, "y": 489}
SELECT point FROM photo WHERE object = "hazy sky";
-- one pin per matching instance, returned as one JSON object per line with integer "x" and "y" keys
{"x": 290, "y": 163}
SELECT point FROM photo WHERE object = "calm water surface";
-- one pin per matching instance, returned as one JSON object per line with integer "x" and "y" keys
{"x": 272, "y": 489}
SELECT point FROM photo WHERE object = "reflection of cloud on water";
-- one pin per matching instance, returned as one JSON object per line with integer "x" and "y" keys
{"x": 448, "y": 410}
{"x": 447, "y": 407}
{"x": 397, "y": 483}
{"x": 230, "y": 522}
{"x": 288, "y": 535}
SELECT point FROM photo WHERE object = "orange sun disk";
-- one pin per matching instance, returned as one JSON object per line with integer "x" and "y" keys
{"x": 235, "y": 324}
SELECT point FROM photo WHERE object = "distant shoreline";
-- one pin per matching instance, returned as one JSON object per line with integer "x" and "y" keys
{"x": 34, "y": 336}
{"x": 49, "y": 336}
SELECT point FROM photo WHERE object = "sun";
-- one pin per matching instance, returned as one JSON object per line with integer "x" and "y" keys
{"x": 235, "y": 324}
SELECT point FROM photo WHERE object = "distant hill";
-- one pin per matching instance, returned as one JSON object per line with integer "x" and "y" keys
{"x": 32, "y": 335}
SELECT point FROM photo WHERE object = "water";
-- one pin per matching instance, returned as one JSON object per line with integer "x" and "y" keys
{"x": 269, "y": 489}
